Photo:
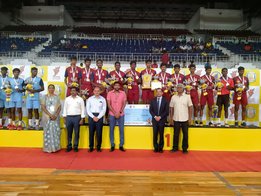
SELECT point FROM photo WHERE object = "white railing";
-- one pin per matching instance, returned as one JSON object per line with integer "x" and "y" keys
{"x": 107, "y": 56}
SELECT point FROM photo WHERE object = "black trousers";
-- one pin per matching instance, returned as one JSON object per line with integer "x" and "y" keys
{"x": 184, "y": 126}
{"x": 72, "y": 124}
{"x": 95, "y": 126}
{"x": 158, "y": 134}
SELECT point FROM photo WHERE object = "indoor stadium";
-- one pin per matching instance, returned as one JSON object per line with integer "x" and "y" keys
{"x": 128, "y": 98}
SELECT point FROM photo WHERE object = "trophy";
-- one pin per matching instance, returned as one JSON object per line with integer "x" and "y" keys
{"x": 239, "y": 89}
{"x": 156, "y": 83}
{"x": 29, "y": 86}
{"x": 8, "y": 90}
{"x": 188, "y": 87}
{"x": 219, "y": 86}
{"x": 203, "y": 86}
{"x": 146, "y": 81}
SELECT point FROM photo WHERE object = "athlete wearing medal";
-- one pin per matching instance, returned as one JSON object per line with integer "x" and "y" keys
{"x": 223, "y": 99}
{"x": 72, "y": 74}
{"x": 118, "y": 74}
{"x": 193, "y": 80}
{"x": 4, "y": 81}
{"x": 99, "y": 77}
{"x": 147, "y": 94}
{"x": 209, "y": 97}
{"x": 33, "y": 97}
{"x": 133, "y": 93}
{"x": 16, "y": 103}
{"x": 177, "y": 77}
{"x": 87, "y": 78}
{"x": 238, "y": 99}
{"x": 163, "y": 78}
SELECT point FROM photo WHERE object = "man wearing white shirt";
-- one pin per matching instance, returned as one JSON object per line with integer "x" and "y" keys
{"x": 73, "y": 114}
{"x": 96, "y": 108}
{"x": 180, "y": 113}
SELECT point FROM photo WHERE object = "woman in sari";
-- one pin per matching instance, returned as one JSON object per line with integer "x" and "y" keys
{"x": 51, "y": 107}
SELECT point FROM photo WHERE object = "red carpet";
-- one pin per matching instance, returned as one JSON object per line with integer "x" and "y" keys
{"x": 131, "y": 160}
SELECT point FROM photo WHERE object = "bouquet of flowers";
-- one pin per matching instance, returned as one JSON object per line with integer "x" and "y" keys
{"x": 111, "y": 80}
{"x": 188, "y": 87}
{"x": 168, "y": 85}
{"x": 28, "y": 87}
{"x": 204, "y": 87}
{"x": 129, "y": 82}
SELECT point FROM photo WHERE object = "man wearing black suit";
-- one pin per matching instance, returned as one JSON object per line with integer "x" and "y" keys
{"x": 159, "y": 110}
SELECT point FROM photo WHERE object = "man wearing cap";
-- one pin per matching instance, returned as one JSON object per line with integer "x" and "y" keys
{"x": 180, "y": 113}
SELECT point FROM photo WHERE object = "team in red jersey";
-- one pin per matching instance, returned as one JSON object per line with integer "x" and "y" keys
{"x": 87, "y": 79}
{"x": 193, "y": 80}
{"x": 207, "y": 94}
{"x": 223, "y": 87}
{"x": 203, "y": 89}
{"x": 147, "y": 94}
{"x": 72, "y": 76}
{"x": 240, "y": 96}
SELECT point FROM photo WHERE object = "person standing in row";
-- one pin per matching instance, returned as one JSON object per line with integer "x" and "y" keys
{"x": 207, "y": 96}
{"x": 96, "y": 108}
{"x": 99, "y": 77}
{"x": 118, "y": 74}
{"x": 147, "y": 94}
{"x": 73, "y": 115}
{"x": 117, "y": 101}
{"x": 193, "y": 80}
{"x": 180, "y": 113}
{"x": 73, "y": 74}
{"x": 240, "y": 97}
{"x": 133, "y": 93}
{"x": 4, "y": 83}
{"x": 223, "y": 98}
{"x": 87, "y": 79}
{"x": 159, "y": 110}
{"x": 51, "y": 107}
{"x": 17, "y": 85}
{"x": 34, "y": 85}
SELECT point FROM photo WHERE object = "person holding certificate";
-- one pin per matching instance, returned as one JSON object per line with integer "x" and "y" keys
{"x": 146, "y": 78}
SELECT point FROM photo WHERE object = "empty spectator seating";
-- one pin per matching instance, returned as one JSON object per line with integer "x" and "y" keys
{"x": 237, "y": 33}
{"x": 34, "y": 28}
{"x": 242, "y": 48}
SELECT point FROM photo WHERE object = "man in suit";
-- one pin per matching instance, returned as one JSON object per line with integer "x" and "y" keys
{"x": 159, "y": 110}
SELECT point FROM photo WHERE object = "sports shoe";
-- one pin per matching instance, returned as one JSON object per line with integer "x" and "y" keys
{"x": 226, "y": 125}
{"x": 236, "y": 124}
{"x": 210, "y": 124}
{"x": 196, "y": 123}
{"x": 9, "y": 126}
{"x": 19, "y": 127}
{"x": 243, "y": 124}
{"x": 1, "y": 127}
{"x": 219, "y": 125}
{"x": 201, "y": 124}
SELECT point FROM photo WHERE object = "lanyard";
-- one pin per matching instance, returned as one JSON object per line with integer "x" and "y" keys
{"x": 163, "y": 78}
{"x": 209, "y": 78}
{"x": 242, "y": 80}
{"x": 176, "y": 78}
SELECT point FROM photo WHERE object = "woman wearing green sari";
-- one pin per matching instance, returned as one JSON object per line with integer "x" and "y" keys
{"x": 51, "y": 107}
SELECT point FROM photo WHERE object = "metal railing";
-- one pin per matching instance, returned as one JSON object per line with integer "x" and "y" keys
{"x": 174, "y": 57}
